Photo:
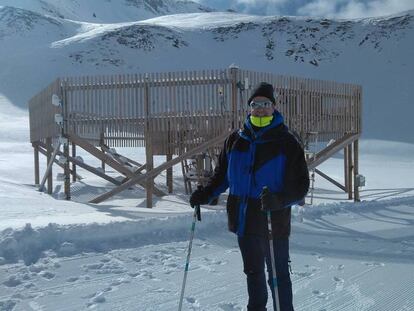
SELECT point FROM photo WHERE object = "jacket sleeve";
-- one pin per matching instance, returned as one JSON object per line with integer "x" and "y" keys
{"x": 296, "y": 175}
{"x": 219, "y": 183}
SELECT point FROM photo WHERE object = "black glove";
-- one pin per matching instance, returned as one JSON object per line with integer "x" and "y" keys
{"x": 199, "y": 197}
{"x": 270, "y": 201}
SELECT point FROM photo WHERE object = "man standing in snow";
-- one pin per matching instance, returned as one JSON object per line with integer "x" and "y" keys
{"x": 262, "y": 154}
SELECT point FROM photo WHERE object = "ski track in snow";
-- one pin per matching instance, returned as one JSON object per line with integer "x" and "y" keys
{"x": 150, "y": 274}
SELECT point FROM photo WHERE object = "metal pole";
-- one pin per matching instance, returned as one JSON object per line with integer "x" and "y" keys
{"x": 196, "y": 216}
{"x": 272, "y": 259}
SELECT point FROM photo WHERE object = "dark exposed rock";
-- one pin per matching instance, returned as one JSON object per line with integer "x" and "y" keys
{"x": 231, "y": 32}
{"x": 144, "y": 37}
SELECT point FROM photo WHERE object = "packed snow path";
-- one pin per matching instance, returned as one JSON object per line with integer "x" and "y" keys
{"x": 346, "y": 257}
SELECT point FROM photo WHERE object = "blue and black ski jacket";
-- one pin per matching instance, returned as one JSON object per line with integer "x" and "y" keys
{"x": 254, "y": 158}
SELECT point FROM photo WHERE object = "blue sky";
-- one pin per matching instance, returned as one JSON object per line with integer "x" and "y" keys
{"x": 324, "y": 8}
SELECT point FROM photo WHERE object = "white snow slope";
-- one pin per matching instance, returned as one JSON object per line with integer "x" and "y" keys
{"x": 118, "y": 255}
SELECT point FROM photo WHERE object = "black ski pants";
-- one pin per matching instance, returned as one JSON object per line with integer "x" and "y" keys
{"x": 255, "y": 251}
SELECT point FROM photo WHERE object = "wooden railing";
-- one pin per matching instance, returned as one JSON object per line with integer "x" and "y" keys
{"x": 177, "y": 111}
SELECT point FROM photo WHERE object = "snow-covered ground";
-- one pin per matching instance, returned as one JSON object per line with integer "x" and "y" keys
{"x": 118, "y": 255}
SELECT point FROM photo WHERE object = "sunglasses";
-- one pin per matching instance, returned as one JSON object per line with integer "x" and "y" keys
{"x": 260, "y": 104}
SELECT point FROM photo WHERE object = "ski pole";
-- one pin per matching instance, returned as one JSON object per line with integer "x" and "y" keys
{"x": 196, "y": 216}
{"x": 276, "y": 303}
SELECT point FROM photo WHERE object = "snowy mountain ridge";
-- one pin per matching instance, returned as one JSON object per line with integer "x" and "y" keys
{"x": 107, "y": 11}
{"x": 374, "y": 52}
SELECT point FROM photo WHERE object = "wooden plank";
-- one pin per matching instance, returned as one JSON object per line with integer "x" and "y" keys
{"x": 106, "y": 149}
{"x": 331, "y": 180}
{"x": 161, "y": 83}
{"x": 50, "y": 160}
{"x": 329, "y": 151}
{"x": 42, "y": 150}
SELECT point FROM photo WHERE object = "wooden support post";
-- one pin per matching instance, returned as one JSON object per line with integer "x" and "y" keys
{"x": 346, "y": 169}
{"x": 350, "y": 171}
{"x": 73, "y": 163}
{"x": 148, "y": 145}
{"x": 102, "y": 143}
{"x": 36, "y": 163}
{"x": 169, "y": 175}
{"x": 66, "y": 170}
{"x": 65, "y": 130}
{"x": 356, "y": 171}
{"x": 48, "y": 158}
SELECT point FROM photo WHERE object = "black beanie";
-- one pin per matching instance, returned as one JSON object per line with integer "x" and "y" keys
{"x": 263, "y": 89}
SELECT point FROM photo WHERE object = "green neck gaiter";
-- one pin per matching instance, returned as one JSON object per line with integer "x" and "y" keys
{"x": 261, "y": 121}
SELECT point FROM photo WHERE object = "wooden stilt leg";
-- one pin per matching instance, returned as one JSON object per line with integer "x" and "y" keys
{"x": 350, "y": 172}
{"x": 36, "y": 164}
{"x": 49, "y": 156}
{"x": 67, "y": 171}
{"x": 346, "y": 169}
{"x": 356, "y": 171}
{"x": 73, "y": 164}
